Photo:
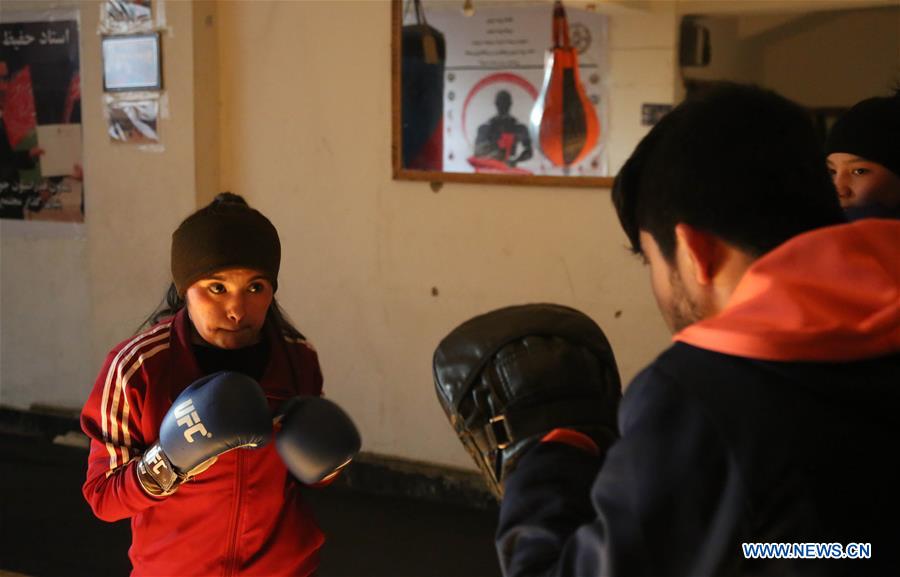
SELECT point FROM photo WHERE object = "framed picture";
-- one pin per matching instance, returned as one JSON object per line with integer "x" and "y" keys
{"x": 132, "y": 62}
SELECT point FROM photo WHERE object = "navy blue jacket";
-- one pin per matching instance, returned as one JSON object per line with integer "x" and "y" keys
{"x": 719, "y": 449}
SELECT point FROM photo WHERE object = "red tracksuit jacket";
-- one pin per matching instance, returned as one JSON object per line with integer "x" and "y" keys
{"x": 242, "y": 516}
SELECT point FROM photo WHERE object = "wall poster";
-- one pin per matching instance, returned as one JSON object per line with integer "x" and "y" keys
{"x": 128, "y": 16}
{"x": 133, "y": 118}
{"x": 493, "y": 75}
{"x": 40, "y": 117}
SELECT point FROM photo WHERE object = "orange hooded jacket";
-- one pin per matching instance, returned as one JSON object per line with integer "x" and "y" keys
{"x": 832, "y": 294}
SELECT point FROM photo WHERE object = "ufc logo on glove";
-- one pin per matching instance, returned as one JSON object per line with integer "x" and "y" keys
{"x": 186, "y": 416}
{"x": 153, "y": 457}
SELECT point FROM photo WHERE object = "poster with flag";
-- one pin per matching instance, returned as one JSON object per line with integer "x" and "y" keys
{"x": 40, "y": 117}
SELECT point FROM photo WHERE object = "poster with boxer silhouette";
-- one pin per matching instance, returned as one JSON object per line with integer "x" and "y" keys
{"x": 493, "y": 76}
{"x": 40, "y": 117}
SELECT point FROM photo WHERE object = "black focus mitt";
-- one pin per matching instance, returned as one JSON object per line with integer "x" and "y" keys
{"x": 508, "y": 377}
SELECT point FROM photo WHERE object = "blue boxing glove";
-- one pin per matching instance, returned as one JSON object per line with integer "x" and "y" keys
{"x": 316, "y": 439}
{"x": 215, "y": 414}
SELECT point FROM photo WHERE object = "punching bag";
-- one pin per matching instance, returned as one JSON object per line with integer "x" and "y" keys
{"x": 422, "y": 79}
{"x": 563, "y": 118}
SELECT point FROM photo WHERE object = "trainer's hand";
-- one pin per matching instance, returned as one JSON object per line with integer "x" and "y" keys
{"x": 215, "y": 414}
{"x": 316, "y": 439}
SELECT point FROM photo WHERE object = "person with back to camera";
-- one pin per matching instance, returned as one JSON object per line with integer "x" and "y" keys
{"x": 172, "y": 403}
{"x": 769, "y": 420}
{"x": 863, "y": 157}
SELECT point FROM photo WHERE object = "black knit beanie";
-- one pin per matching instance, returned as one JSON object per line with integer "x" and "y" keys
{"x": 870, "y": 130}
{"x": 225, "y": 234}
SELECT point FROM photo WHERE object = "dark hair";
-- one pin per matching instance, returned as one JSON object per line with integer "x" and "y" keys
{"x": 737, "y": 161}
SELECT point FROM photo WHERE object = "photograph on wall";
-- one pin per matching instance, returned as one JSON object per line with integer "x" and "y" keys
{"x": 131, "y": 62}
{"x": 133, "y": 118}
{"x": 40, "y": 118}
{"x": 126, "y": 16}
{"x": 494, "y": 83}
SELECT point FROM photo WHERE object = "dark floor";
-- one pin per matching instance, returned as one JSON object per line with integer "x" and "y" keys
{"x": 47, "y": 529}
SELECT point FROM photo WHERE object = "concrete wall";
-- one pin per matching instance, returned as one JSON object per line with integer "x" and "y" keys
{"x": 845, "y": 57}
{"x": 71, "y": 292}
{"x": 306, "y": 137}
{"x": 375, "y": 271}
{"x": 819, "y": 59}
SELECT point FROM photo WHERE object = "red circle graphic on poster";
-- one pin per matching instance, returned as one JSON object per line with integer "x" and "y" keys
{"x": 502, "y": 99}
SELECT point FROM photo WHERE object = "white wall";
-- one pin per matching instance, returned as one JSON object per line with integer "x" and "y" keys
{"x": 819, "y": 59}
{"x": 306, "y": 137}
{"x": 643, "y": 60}
{"x": 304, "y": 134}
{"x": 71, "y": 292}
{"x": 730, "y": 59}
{"x": 851, "y": 55}
{"x": 45, "y": 309}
